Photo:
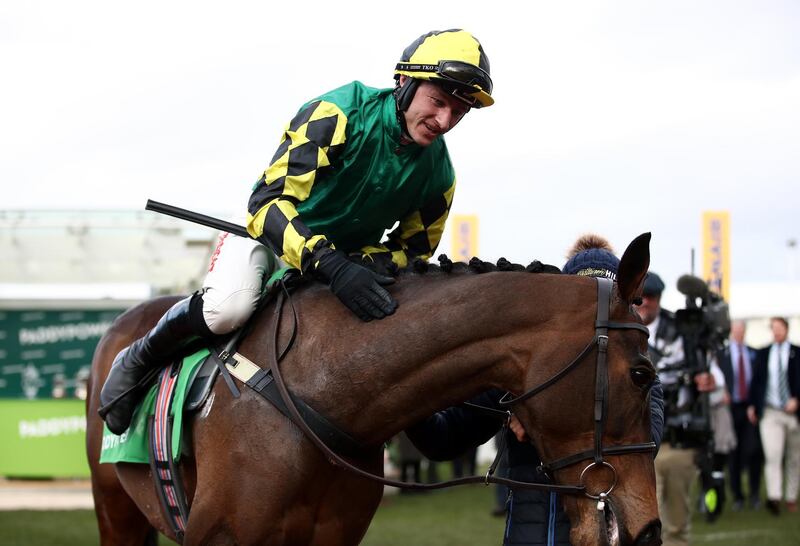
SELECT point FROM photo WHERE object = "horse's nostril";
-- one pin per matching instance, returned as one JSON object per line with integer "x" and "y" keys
{"x": 650, "y": 535}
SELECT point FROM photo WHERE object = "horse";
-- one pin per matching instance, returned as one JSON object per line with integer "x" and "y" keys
{"x": 254, "y": 478}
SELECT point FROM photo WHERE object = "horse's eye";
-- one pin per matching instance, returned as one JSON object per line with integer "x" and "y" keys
{"x": 642, "y": 377}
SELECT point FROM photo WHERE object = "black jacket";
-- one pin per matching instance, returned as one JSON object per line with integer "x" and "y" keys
{"x": 533, "y": 516}
{"x": 758, "y": 388}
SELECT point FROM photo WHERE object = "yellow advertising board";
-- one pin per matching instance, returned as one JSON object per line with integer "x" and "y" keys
{"x": 716, "y": 252}
{"x": 465, "y": 237}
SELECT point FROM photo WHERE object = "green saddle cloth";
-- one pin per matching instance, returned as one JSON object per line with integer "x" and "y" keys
{"x": 131, "y": 446}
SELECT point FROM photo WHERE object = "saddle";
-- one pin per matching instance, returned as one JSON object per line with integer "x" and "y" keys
{"x": 225, "y": 361}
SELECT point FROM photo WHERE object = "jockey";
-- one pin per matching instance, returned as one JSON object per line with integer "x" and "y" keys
{"x": 350, "y": 165}
{"x": 533, "y": 517}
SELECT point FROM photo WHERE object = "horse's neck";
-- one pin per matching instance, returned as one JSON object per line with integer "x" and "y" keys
{"x": 450, "y": 340}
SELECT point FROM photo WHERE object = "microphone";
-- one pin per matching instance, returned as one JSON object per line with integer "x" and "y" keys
{"x": 692, "y": 287}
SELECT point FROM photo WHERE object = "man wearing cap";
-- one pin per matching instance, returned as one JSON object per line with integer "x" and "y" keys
{"x": 533, "y": 517}
{"x": 676, "y": 466}
{"x": 351, "y": 164}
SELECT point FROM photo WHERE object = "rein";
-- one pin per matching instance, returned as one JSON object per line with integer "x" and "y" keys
{"x": 601, "y": 338}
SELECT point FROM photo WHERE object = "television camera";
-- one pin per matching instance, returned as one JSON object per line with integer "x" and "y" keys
{"x": 704, "y": 325}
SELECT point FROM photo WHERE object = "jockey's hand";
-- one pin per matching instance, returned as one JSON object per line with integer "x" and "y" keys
{"x": 518, "y": 430}
{"x": 360, "y": 289}
{"x": 381, "y": 264}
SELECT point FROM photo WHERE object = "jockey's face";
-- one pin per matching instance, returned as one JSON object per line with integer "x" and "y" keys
{"x": 432, "y": 113}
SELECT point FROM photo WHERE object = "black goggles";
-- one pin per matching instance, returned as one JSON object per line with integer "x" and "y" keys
{"x": 456, "y": 71}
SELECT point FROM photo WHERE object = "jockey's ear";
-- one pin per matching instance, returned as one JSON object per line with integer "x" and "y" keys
{"x": 633, "y": 268}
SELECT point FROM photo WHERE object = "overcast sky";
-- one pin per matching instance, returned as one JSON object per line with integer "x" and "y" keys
{"x": 612, "y": 117}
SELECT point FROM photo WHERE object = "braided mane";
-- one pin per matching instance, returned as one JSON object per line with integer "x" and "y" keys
{"x": 476, "y": 266}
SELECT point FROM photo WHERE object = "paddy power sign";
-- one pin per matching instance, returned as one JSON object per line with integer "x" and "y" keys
{"x": 45, "y": 357}
{"x": 43, "y": 438}
{"x": 48, "y": 353}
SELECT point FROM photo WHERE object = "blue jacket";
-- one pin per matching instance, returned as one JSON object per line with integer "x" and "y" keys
{"x": 534, "y": 517}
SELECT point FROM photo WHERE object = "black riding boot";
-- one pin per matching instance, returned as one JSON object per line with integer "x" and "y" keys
{"x": 179, "y": 326}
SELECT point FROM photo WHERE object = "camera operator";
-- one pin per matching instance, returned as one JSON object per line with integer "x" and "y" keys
{"x": 675, "y": 464}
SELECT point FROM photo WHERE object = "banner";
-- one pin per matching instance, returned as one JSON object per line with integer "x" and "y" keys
{"x": 48, "y": 353}
{"x": 716, "y": 252}
{"x": 43, "y": 438}
{"x": 465, "y": 237}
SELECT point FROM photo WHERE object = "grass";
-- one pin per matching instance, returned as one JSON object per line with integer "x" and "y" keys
{"x": 459, "y": 516}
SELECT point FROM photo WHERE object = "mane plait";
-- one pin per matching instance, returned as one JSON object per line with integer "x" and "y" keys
{"x": 419, "y": 266}
{"x": 589, "y": 241}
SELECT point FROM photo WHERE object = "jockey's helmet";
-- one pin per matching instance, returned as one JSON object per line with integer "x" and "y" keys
{"x": 453, "y": 59}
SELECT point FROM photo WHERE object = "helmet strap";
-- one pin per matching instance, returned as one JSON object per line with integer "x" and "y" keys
{"x": 403, "y": 95}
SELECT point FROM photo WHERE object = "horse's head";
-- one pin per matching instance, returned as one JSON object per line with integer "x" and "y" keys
{"x": 592, "y": 434}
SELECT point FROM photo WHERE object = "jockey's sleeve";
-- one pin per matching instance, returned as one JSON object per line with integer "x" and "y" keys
{"x": 417, "y": 235}
{"x": 310, "y": 143}
{"x": 451, "y": 432}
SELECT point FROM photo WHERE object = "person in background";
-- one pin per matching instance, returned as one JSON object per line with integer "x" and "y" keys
{"x": 676, "y": 467}
{"x": 774, "y": 406}
{"x": 736, "y": 362}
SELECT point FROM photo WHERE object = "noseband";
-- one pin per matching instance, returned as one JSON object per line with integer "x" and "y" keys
{"x": 601, "y": 327}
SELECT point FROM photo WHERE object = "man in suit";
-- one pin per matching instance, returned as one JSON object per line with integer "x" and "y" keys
{"x": 774, "y": 405}
{"x": 736, "y": 362}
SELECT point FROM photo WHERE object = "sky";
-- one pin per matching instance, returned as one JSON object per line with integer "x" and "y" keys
{"x": 615, "y": 117}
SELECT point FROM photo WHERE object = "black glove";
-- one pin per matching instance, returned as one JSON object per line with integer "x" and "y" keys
{"x": 360, "y": 289}
{"x": 380, "y": 263}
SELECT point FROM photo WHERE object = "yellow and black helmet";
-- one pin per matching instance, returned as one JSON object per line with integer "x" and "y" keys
{"x": 452, "y": 58}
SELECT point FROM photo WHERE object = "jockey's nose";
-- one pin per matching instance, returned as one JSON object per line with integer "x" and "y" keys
{"x": 445, "y": 118}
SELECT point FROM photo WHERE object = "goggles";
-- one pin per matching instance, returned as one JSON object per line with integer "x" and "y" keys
{"x": 457, "y": 72}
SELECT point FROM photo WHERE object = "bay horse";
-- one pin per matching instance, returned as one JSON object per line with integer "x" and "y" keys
{"x": 254, "y": 478}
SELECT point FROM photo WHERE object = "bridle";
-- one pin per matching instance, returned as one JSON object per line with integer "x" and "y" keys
{"x": 602, "y": 326}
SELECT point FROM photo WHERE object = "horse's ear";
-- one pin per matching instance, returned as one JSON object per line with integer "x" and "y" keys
{"x": 633, "y": 267}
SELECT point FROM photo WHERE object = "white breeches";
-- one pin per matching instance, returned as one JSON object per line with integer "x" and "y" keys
{"x": 236, "y": 275}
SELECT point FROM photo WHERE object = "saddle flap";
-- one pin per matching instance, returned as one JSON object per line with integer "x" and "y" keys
{"x": 201, "y": 384}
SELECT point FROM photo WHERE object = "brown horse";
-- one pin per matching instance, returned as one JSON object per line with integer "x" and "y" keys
{"x": 254, "y": 478}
